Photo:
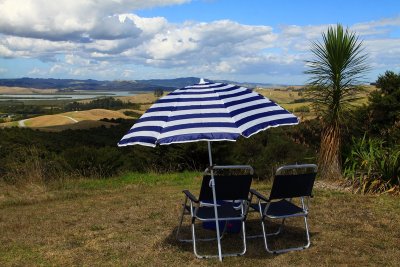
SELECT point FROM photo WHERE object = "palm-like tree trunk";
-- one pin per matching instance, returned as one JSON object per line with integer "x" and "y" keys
{"x": 329, "y": 159}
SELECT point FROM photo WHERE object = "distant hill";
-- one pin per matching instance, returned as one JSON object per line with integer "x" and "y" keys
{"x": 71, "y": 84}
{"x": 251, "y": 84}
{"x": 182, "y": 82}
{"x": 176, "y": 83}
{"x": 138, "y": 85}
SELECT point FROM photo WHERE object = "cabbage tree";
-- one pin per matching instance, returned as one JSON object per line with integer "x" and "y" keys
{"x": 337, "y": 67}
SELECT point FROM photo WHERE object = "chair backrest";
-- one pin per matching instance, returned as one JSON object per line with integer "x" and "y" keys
{"x": 293, "y": 184}
{"x": 227, "y": 187}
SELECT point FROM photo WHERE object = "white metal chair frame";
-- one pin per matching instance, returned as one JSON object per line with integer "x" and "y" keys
{"x": 264, "y": 204}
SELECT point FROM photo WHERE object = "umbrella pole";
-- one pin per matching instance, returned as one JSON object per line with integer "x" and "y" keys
{"x": 212, "y": 182}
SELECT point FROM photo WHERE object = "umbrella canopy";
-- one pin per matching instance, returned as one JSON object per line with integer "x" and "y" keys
{"x": 206, "y": 112}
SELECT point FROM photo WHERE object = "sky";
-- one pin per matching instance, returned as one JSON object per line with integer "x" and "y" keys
{"x": 261, "y": 41}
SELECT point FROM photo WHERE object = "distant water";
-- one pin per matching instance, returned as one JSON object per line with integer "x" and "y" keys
{"x": 80, "y": 95}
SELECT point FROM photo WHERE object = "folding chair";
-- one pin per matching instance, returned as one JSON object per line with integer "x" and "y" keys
{"x": 232, "y": 196}
{"x": 291, "y": 181}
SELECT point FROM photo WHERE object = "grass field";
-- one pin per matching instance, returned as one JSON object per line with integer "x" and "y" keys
{"x": 23, "y": 90}
{"x": 131, "y": 221}
{"x": 288, "y": 98}
{"x": 83, "y": 119}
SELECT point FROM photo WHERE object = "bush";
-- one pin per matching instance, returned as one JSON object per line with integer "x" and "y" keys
{"x": 93, "y": 162}
{"x": 105, "y": 103}
{"x": 372, "y": 167}
{"x": 132, "y": 113}
{"x": 158, "y": 92}
{"x": 270, "y": 149}
{"x": 31, "y": 164}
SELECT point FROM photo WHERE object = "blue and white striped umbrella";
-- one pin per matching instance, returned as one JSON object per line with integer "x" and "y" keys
{"x": 206, "y": 112}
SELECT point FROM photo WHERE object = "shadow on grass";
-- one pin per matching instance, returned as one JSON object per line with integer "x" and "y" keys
{"x": 291, "y": 236}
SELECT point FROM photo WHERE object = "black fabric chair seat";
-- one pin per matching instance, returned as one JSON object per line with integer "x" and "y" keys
{"x": 279, "y": 208}
{"x": 224, "y": 211}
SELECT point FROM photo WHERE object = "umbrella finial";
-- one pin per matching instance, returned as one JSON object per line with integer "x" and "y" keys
{"x": 202, "y": 81}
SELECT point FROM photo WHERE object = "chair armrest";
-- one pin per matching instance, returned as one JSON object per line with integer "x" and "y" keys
{"x": 190, "y": 196}
{"x": 259, "y": 195}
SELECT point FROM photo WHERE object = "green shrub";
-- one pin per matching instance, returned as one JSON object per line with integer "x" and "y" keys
{"x": 372, "y": 167}
{"x": 158, "y": 92}
{"x": 105, "y": 103}
{"x": 93, "y": 162}
{"x": 132, "y": 113}
{"x": 268, "y": 150}
{"x": 31, "y": 164}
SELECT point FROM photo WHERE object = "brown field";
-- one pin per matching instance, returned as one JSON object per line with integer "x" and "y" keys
{"x": 48, "y": 120}
{"x": 139, "y": 98}
{"x": 145, "y": 100}
{"x": 95, "y": 114}
{"x": 21, "y": 90}
{"x": 281, "y": 96}
{"x": 70, "y": 118}
{"x": 131, "y": 221}
{"x": 285, "y": 96}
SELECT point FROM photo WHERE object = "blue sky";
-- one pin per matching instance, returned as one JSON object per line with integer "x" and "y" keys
{"x": 275, "y": 13}
{"x": 253, "y": 40}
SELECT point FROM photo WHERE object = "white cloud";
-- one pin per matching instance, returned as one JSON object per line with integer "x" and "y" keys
{"x": 70, "y": 19}
{"x": 36, "y": 71}
{"x": 378, "y": 27}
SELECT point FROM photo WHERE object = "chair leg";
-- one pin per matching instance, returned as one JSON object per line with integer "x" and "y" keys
{"x": 181, "y": 222}
{"x": 268, "y": 234}
{"x": 180, "y": 225}
{"x": 280, "y": 227}
{"x": 244, "y": 239}
{"x": 194, "y": 242}
{"x": 307, "y": 233}
{"x": 217, "y": 255}
{"x": 197, "y": 239}
{"x": 287, "y": 249}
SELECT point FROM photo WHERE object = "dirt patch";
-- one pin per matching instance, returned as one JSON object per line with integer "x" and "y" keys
{"x": 332, "y": 185}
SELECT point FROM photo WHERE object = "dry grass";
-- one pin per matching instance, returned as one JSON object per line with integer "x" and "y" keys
{"x": 22, "y": 90}
{"x": 286, "y": 96}
{"x": 281, "y": 96}
{"x": 131, "y": 221}
{"x": 48, "y": 120}
{"x": 95, "y": 114}
{"x": 139, "y": 98}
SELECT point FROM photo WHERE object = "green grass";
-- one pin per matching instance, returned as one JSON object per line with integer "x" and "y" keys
{"x": 150, "y": 179}
{"x": 131, "y": 220}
